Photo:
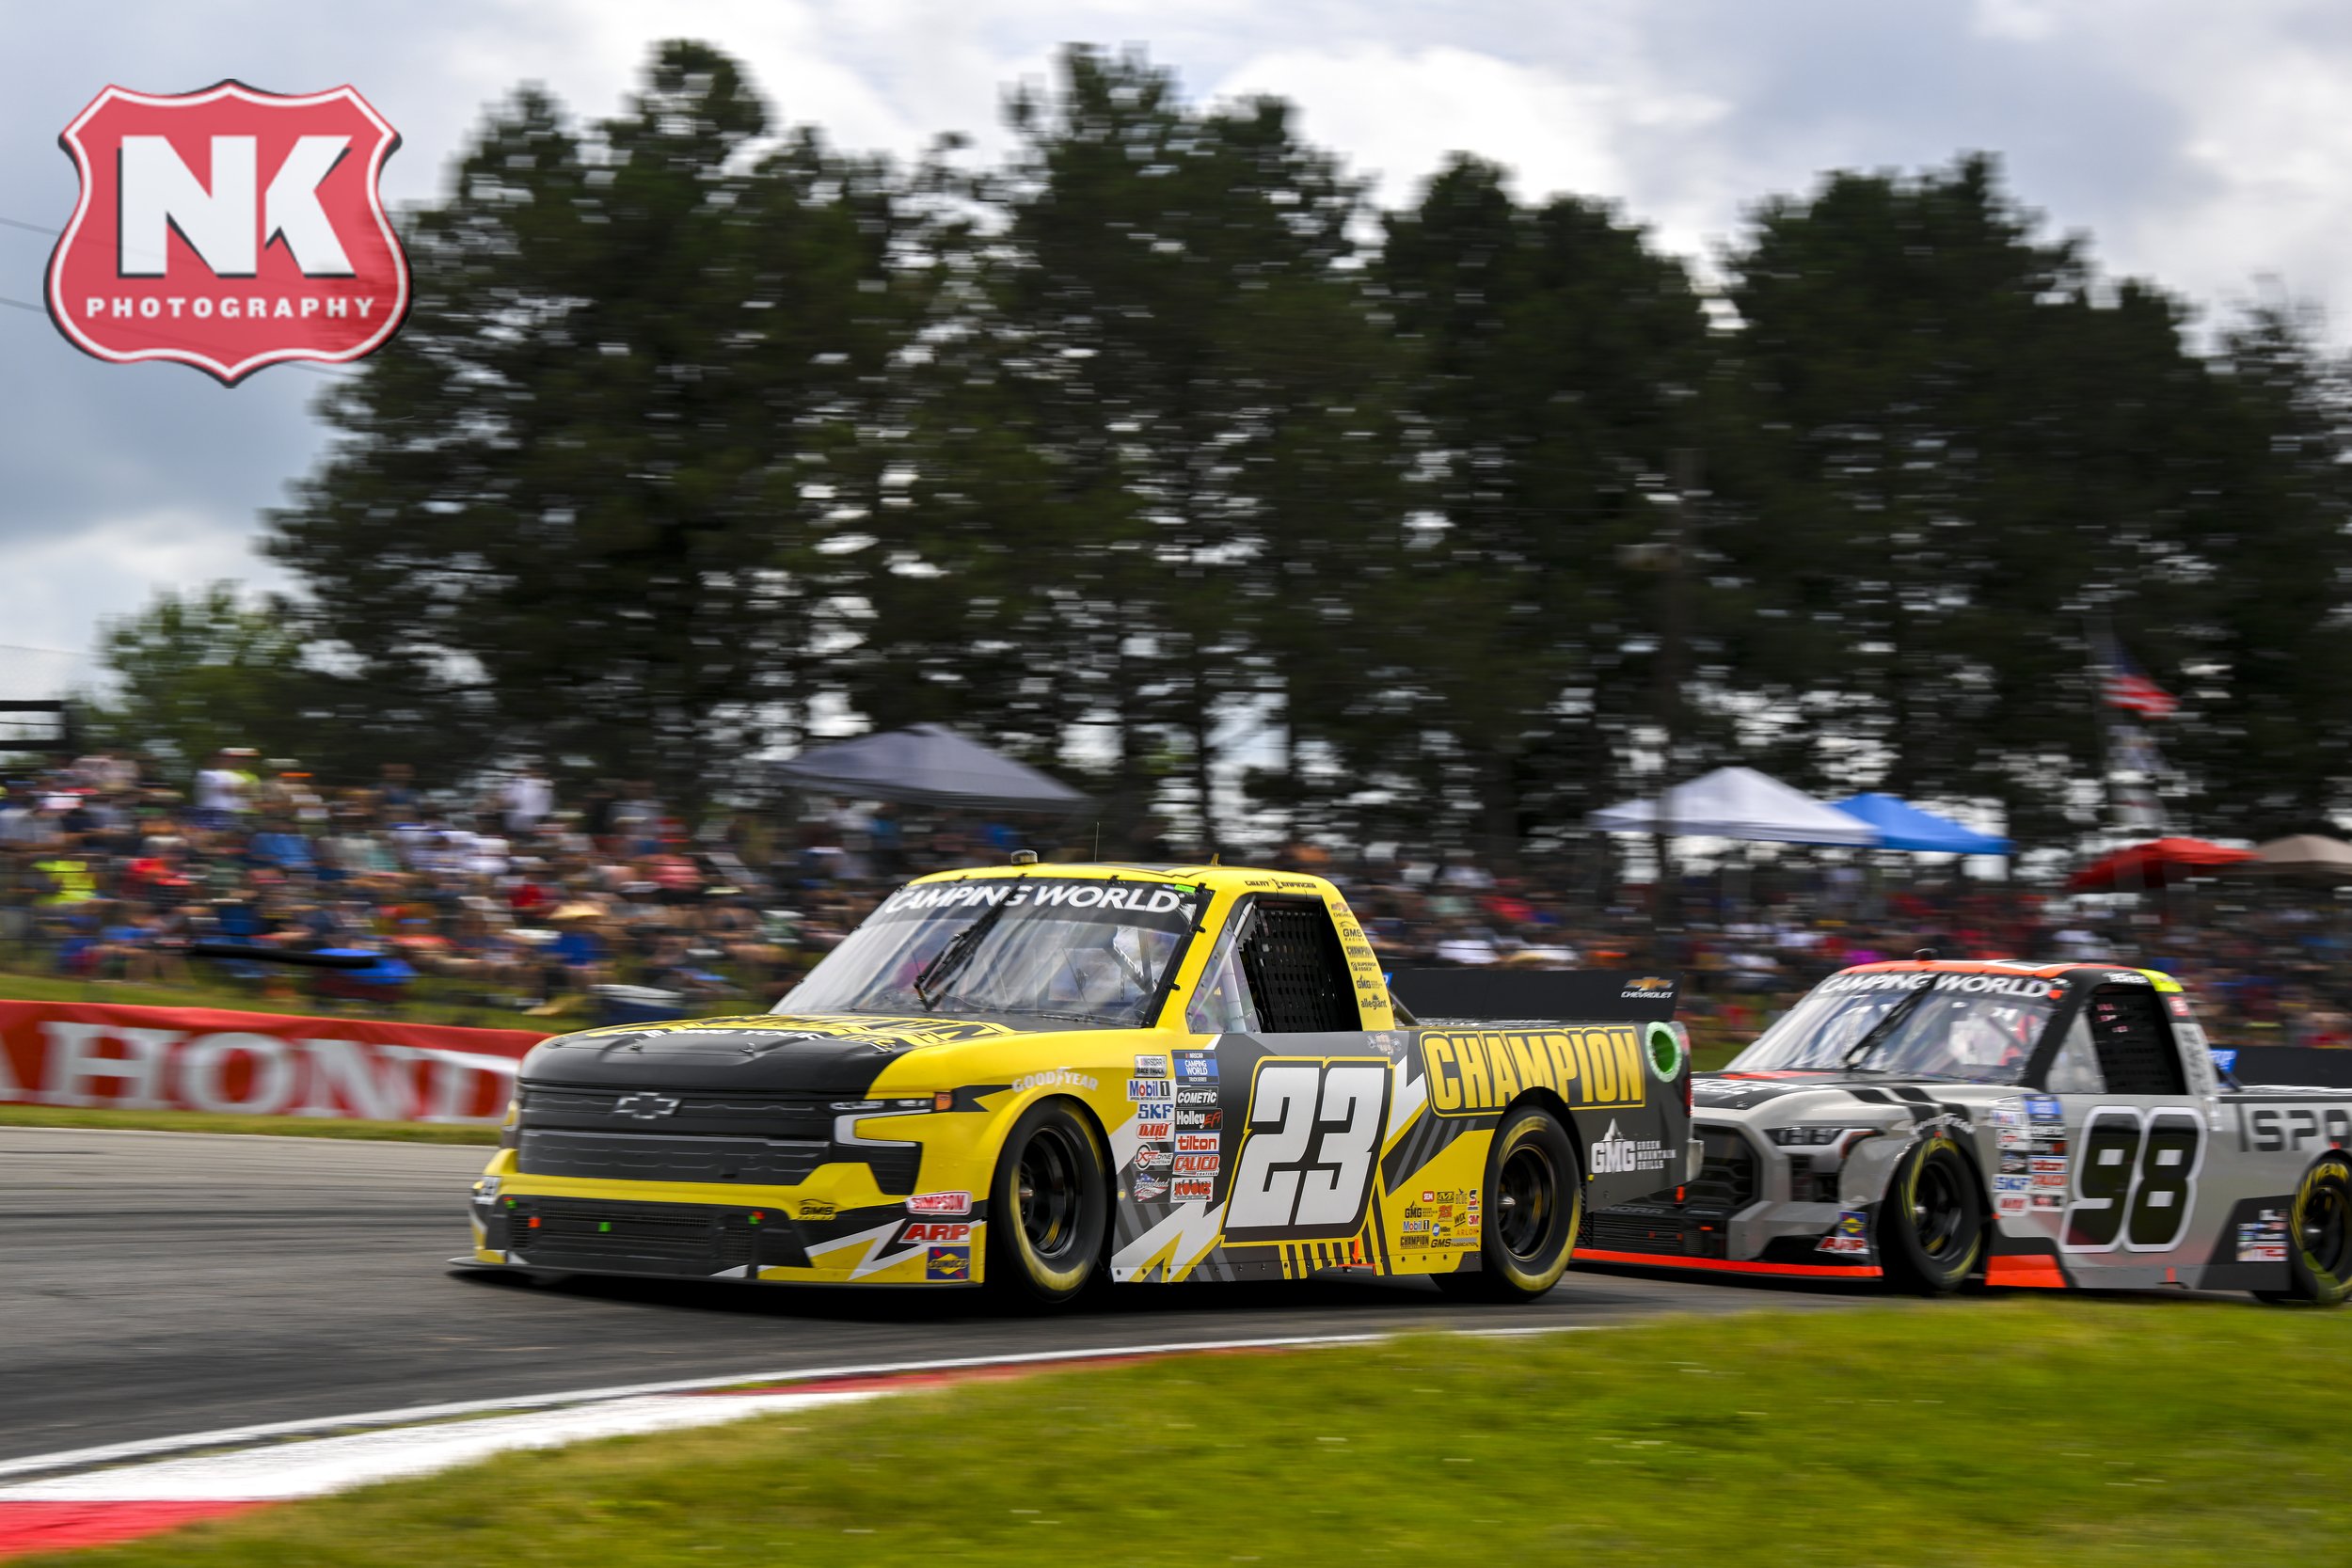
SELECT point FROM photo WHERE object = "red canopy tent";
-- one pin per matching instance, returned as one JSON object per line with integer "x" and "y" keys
{"x": 2155, "y": 863}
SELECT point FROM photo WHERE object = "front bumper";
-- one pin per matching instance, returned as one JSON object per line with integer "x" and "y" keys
{"x": 809, "y": 1241}
{"x": 1747, "y": 1208}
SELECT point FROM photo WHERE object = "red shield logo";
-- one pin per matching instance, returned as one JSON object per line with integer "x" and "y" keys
{"x": 229, "y": 230}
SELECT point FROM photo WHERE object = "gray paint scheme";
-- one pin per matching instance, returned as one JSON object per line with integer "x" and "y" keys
{"x": 2251, "y": 1149}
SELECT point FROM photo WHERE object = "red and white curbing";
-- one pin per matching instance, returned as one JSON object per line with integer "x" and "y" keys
{"x": 120, "y": 1491}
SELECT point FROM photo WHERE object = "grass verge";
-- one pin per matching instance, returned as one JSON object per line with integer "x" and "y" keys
{"x": 431, "y": 1001}
{"x": 206, "y": 1121}
{"x": 2080, "y": 1432}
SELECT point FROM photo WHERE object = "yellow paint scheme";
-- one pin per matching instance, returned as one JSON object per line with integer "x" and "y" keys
{"x": 1092, "y": 1067}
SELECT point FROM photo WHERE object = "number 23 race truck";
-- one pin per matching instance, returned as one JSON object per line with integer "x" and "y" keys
{"x": 1930, "y": 1122}
{"x": 1040, "y": 1076}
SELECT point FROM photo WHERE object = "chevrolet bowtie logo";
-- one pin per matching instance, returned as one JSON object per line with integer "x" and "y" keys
{"x": 644, "y": 1107}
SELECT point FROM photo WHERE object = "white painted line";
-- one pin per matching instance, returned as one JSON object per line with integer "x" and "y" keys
{"x": 277, "y": 1472}
{"x": 409, "y": 1414}
{"x": 422, "y": 1440}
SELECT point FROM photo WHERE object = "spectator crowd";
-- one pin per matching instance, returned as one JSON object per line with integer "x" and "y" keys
{"x": 516, "y": 899}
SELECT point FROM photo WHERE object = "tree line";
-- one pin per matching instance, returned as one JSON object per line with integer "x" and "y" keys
{"x": 1155, "y": 453}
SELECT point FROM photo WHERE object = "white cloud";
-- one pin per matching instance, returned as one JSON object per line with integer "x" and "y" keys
{"x": 2203, "y": 145}
{"x": 111, "y": 568}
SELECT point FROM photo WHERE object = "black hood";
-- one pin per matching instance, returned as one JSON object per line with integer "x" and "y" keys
{"x": 1741, "y": 1091}
{"x": 835, "y": 1055}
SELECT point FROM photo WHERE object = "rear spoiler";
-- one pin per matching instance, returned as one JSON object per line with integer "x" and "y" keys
{"x": 1534, "y": 996}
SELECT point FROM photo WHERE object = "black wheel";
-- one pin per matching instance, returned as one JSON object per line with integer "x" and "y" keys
{"x": 2319, "y": 1237}
{"x": 1932, "y": 1223}
{"x": 1049, "y": 1208}
{"x": 1533, "y": 1200}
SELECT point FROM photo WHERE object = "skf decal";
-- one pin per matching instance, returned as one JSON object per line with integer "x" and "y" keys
{"x": 1475, "y": 1073}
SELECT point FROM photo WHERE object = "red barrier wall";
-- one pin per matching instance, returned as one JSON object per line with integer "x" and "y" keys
{"x": 261, "y": 1064}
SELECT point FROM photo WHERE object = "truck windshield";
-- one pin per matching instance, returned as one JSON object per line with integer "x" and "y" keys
{"x": 1078, "y": 950}
{"x": 1979, "y": 1027}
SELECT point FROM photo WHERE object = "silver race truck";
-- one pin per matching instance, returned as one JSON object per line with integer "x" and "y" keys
{"x": 1929, "y": 1122}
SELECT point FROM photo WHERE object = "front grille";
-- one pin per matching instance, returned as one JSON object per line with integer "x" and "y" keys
{"x": 798, "y": 1117}
{"x": 648, "y": 1238}
{"x": 1727, "y": 1177}
{"x": 658, "y": 1157}
{"x": 1615, "y": 1231}
{"x": 622, "y": 1134}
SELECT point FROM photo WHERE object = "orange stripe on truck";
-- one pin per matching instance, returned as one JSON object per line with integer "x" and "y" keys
{"x": 2033, "y": 1272}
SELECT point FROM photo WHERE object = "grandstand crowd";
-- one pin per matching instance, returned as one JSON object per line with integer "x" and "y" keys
{"x": 611, "y": 905}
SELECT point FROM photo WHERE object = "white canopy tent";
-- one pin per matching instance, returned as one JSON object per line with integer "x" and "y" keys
{"x": 1738, "y": 803}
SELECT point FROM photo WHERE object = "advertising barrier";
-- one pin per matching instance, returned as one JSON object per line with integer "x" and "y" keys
{"x": 254, "y": 1064}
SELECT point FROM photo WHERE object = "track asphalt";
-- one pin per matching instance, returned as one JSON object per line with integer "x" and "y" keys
{"x": 159, "y": 1283}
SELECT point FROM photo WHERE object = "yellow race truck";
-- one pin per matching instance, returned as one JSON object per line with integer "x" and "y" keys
{"x": 1041, "y": 1076}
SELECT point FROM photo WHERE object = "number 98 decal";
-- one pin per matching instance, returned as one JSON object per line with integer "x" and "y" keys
{"x": 1307, "y": 1149}
{"x": 2135, "y": 1179}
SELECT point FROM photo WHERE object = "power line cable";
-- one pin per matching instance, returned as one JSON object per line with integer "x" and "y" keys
{"x": 55, "y": 233}
{"x": 291, "y": 364}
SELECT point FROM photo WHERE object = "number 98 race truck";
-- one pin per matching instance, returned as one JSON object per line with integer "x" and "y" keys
{"x": 2065, "y": 1126}
{"x": 1041, "y": 1076}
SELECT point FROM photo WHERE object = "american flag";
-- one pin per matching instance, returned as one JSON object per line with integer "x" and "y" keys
{"x": 2124, "y": 685}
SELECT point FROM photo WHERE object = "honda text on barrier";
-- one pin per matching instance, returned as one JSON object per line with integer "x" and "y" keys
{"x": 1040, "y": 1077}
{"x": 1932, "y": 1123}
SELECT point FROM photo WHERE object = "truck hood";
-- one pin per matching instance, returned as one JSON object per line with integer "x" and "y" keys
{"x": 763, "y": 1052}
{"x": 1807, "y": 1093}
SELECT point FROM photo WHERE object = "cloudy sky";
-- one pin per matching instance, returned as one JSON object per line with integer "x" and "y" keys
{"x": 2204, "y": 144}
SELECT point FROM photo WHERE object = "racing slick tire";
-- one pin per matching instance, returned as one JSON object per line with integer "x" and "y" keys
{"x": 1932, "y": 1223}
{"x": 1534, "y": 1201}
{"x": 1049, "y": 1209}
{"x": 2319, "y": 1227}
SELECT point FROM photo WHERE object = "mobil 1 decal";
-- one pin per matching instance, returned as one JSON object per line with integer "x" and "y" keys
{"x": 1308, "y": 1141}
{"x": 1179, "y": 1127}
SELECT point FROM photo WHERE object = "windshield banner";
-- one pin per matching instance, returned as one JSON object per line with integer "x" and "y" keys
{"x": 1134, "y": 903}
{"x": 2023, "y": 987}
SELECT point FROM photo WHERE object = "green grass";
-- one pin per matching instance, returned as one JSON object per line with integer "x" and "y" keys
{"x": 430, "y": 1002}
{"x": 1710, "y": 1058}
{"x": 2076, "y": 1432}
{"x": 206, "y": 1121}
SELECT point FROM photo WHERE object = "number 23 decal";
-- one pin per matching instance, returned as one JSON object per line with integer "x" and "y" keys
{"x": 1307, "y": 1150}
{"x": 2135, "y": 1179}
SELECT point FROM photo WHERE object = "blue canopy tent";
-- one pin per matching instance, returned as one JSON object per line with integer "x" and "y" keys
{"x": 1905, "y": 826}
